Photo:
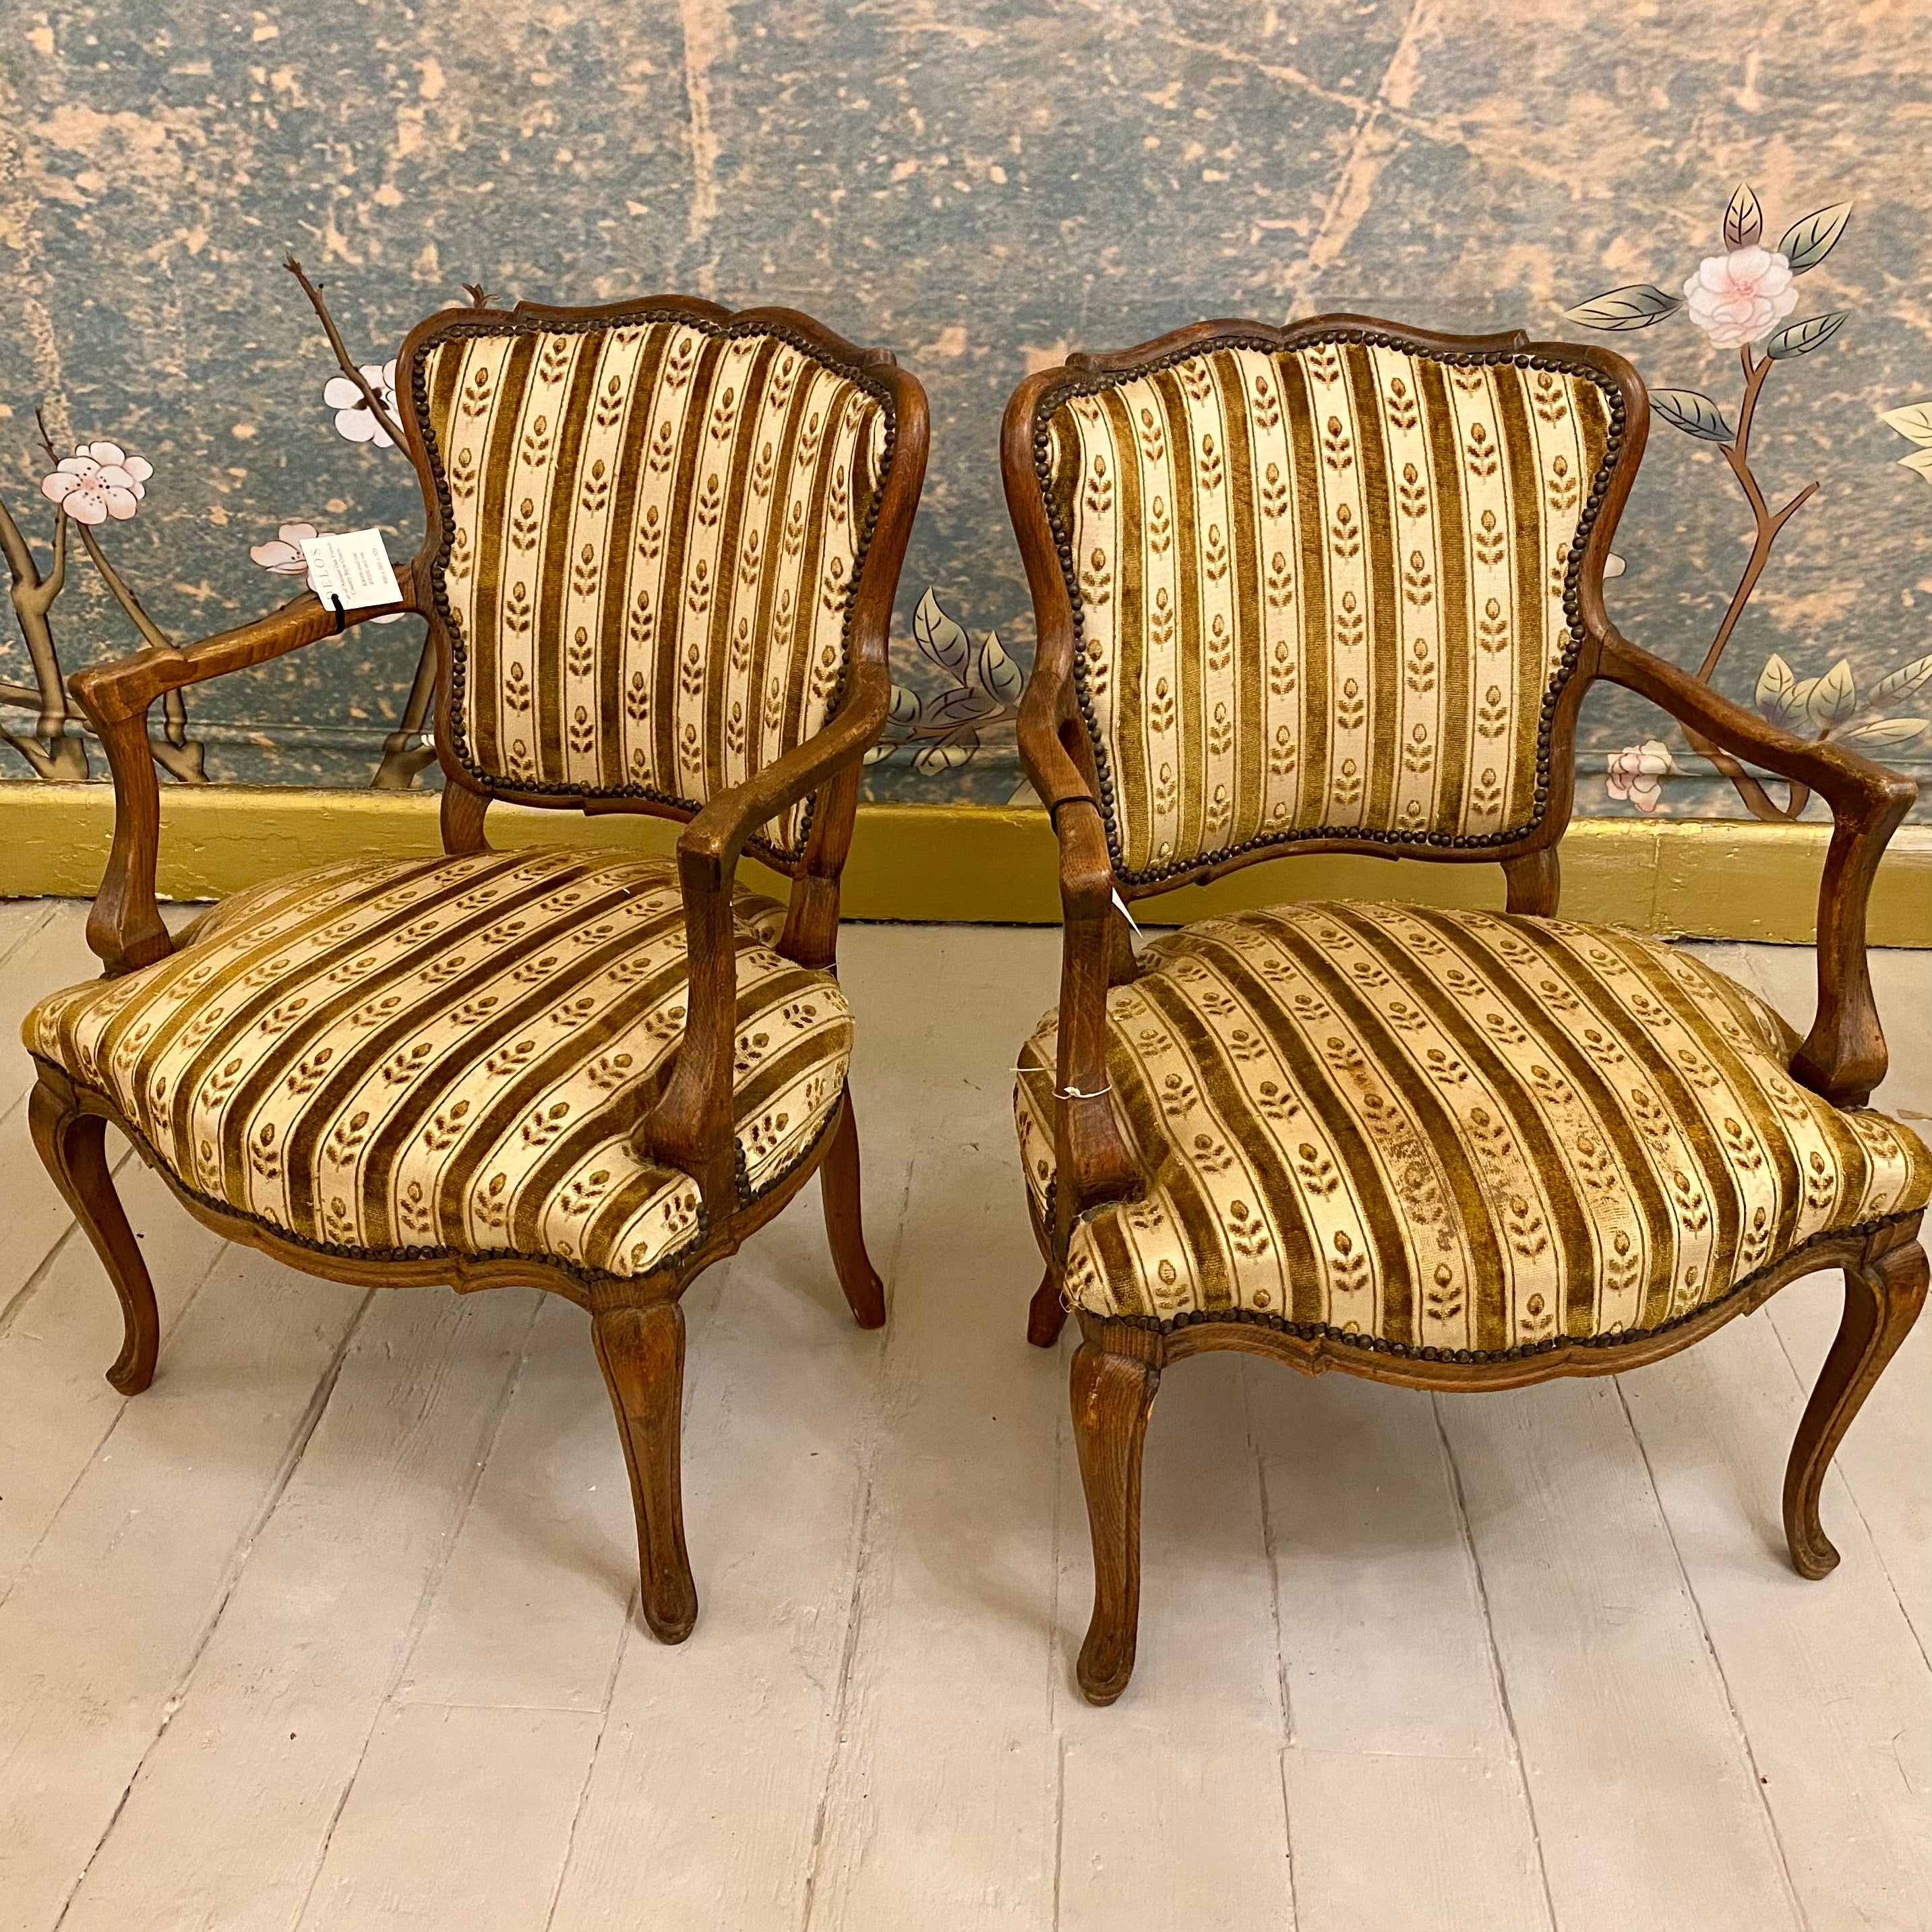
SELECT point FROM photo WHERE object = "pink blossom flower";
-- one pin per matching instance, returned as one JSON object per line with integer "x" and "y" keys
{"x": 1637, "y": 772}
{"x": 284, "y": 556}
{"x": 1740, "y": 297}
{"x": 98, "y": 481}
{"x": 354, "y": 418}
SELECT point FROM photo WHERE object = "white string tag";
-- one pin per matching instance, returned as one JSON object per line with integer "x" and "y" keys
{"x": 1064, "y": 1092}
{"x": 352, "y": 572}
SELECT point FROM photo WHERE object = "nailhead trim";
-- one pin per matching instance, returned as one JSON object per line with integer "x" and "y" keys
{"x": 1379, "y": 1344}
{"x": 1083, "y": 383}
{"x": 463, "y": 326}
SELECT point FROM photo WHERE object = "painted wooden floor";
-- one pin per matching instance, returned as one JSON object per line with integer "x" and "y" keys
{"x": 331, "y": 1628}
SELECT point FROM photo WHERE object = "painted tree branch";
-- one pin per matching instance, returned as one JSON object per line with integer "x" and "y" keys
{"x": 55, "y": 753}
{"x": 346, "y": 363}
{"x": 151, "y": 633}
{"x": 401, "y": 758}
{"x": 1767, "y": 524}
{"x": 1743, "y": 299}
{"x": 33, "y": 595}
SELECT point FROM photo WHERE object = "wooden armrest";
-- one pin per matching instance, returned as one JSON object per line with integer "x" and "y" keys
{"x": 1091, "y": 1161}
{"x": 1044, "y": 724}
{"x": 691, "y": 1126}
{"x": 128, "y": 686}
{"x": 124, "y": 928}
{"x": 1843, "y": 1056}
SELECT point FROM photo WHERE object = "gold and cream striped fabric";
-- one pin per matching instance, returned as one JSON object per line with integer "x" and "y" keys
{"x": 1453, "y": 1130}
{"x": 654, "y": 531}
{"x": 448, "y": 1055}
{"x": 1321, "y": 589}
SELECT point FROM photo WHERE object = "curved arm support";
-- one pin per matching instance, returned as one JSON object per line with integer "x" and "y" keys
{"x": 690, "y": 1128}
{"x": 124, "y": 928}
{"x": 1843, "y": 1056}
{"x": 1091, "y": 1161}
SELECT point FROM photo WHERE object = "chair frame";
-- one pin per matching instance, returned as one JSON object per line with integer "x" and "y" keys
{"x": 1116, "y": 1368}
{"x": 638, "y": 1324}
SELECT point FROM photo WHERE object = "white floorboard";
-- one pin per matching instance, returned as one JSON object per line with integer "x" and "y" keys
{"x": 335, "y": 1627}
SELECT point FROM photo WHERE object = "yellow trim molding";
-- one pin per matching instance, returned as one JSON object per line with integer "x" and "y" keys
{"x": 1699, "y": 879}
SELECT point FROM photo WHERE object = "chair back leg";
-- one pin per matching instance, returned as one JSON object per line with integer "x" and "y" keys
{"x": 72, "y": 1145}
{"x": 640, "y": 1349}
{"x": 838, "y": 1188}
{"x": 1883, "y": 1295}
{"x": 1112, "y": 1397}
{"x": 1046, "y": 1313}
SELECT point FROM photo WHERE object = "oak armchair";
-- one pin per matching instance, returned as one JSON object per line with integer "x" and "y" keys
{"x": 662, "y": 544}
{"x": 1338, "y": 587}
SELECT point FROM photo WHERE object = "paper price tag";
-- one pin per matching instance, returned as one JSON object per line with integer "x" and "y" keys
{"x": 352, "y": 570}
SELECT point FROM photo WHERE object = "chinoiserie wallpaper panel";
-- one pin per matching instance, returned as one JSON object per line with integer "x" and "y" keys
{"x": 1732, "y": 194}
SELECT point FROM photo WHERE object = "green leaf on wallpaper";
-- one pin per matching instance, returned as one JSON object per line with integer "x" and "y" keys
{"x": 1832, "y": 698}
{"x": 1806, "y": 243}
{"x": 1744, "y": 219}
{"x": 1902, "y": 681}
{"x": 996, "y": 674}
{"x": 1885, "y": 731}
{"x": 1918, "y": 459}
{"x": 966, "y": 705}
{"x": 1800, "y": 338}
{"x": 1913, "y": 422}
{"x": 941, "y": 638}
{"x": 1778, "y": 691}
{"x": 905, "y": 708}
{"x": 1693, "y": 413}
{"x": 1637, "y": 306}
{"x": 948, "y": 756}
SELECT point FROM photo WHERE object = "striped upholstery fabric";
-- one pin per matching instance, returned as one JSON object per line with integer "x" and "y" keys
{"x": 651, "y": 534}
{"x": 1454, "y": 1130}
{"x": 1321, "y": 589}
{"x": 447, "y": 1055}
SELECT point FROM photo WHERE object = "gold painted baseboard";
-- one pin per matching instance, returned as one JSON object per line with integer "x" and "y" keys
{"x": 1700, "y": 879}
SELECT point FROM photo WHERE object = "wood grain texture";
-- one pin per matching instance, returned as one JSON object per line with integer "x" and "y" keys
{"x": 1112, "y": 1396}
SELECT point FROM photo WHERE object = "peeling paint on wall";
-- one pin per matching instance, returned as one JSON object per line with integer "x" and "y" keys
{"x": 981, "y": 187}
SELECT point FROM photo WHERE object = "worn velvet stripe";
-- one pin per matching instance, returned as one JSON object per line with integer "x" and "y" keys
{"x": 450, "y": 1056}
{"x": 650, "y": 571}
{"x": 1415, "y": 487}
{"x": 1540, "y": 1129}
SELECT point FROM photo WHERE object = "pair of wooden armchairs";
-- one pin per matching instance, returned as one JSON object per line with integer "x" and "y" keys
{"x": 1336, "y": 586}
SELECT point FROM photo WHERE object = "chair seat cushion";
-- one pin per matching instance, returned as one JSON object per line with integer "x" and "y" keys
{"x": 1451, "y": 1130}
{"x": 442, "y": 1056}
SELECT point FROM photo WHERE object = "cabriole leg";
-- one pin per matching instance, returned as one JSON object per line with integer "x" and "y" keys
{"x": 1112, "y": 1397}
{"x": 72, "y": 1145}
{"x": 641, "y": 1350}
{"x": 1882, "y": 1297}
{"x": 839, "y": 1187}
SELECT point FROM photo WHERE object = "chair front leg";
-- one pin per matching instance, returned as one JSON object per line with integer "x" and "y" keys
{"x": 1112, "y": 1396}
{"x": 640, "y": 1349}
{"x": 1883, "y": 1295}
{"x": 838, "y": 1189}
{"x": 71, "y": 1145}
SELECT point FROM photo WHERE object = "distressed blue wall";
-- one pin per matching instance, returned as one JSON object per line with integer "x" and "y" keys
{"x": 981, "y": 187}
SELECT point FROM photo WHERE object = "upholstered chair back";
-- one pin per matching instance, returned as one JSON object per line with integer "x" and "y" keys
{"x": 652, "y": 525}
{"x": 1327, "y": 590}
